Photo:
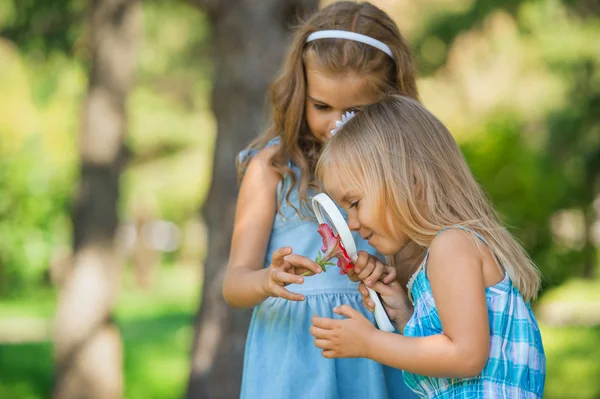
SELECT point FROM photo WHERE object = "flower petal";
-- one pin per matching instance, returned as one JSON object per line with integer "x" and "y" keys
{"x": 333, "y": 248}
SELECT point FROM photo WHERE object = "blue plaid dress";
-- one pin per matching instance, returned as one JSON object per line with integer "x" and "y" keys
{"x": 516, "y": 366}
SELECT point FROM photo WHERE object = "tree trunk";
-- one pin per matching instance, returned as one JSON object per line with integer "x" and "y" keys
{"x": 88, "y": 347}
{"x": 249, "y": 40}
{"x": 589, "y": 248}
{"x": 145, "y": 259}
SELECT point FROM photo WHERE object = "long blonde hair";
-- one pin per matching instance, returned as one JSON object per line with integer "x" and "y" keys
{"x": 409, "y": 161}
{"x": 287, "y": 93}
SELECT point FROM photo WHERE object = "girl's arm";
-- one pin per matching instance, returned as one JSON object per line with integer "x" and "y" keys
{"x": 455, "y": 273}
{"x": 247, "y": 283}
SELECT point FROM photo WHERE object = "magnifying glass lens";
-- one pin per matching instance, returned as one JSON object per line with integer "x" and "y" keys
{"x": 327, "y": 218}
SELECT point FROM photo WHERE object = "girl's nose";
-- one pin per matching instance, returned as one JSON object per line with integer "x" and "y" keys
{"x": 353, "y": 223}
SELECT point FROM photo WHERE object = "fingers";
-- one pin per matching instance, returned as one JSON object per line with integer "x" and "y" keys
{"x": 390, "y": 274}
{"x": 277, "y": 257}
{"x": 367, "y": 301}
{"x": 361, "y": 261}
{"x": 388, "y": 290}
{"x": 323, "y": 344}
{"x": 384, "y": 289}
{"x": 347, "y": 311}
{"x": 280, "y": 277}
{"x": 352, "y": 275}
{"x": 319, "y": 333}
{"x": 322, "y": 340}
{"x": 278, "y": 291}
{"x": 277, "y": 279}
{"x": 324, "y": 323}
{"x": 369, "y": 304}
{"x": 362, "y": 288}
{"x": 367, "y": 269}
{"x": 370, "y": 269}
{"x": 302, "y": 263}
{"x": 377, "y": 272}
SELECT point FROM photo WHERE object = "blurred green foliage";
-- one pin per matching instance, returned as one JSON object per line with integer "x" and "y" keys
{"x": 517, "y": 83}
{"x": 38, "y": 118}
{"x": 535, "y": 147}
{"x": 42, "y": 27}
{"x": 524, "y": 189}
{"x": 43, "y": 81}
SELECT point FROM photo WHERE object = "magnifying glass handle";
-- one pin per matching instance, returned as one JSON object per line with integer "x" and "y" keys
{"x": 381, "y": 317}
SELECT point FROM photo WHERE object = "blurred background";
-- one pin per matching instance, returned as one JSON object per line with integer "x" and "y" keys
{"x": 517, "y": 83}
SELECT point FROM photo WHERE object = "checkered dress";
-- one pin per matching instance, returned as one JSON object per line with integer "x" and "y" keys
{"x": 516, "y": 366}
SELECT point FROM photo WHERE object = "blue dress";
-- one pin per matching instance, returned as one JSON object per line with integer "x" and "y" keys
{"x": 516, "y": 366}
{"x": 281, "y": 360}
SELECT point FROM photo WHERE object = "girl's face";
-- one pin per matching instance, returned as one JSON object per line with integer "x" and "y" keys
{"x": 329, "y": 96}
{"x": 364, "y": 216}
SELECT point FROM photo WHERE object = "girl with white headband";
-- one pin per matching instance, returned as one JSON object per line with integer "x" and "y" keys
{"x": 344, "y": 57}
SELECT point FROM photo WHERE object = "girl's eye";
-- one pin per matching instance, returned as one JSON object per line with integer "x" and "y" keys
{"x": 321, "y": 107}
{"x": 354, "y": 204}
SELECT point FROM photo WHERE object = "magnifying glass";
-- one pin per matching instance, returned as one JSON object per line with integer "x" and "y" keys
{"x": 327, "y": 212}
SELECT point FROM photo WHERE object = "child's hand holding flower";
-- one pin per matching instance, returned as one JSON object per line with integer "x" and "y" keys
{"x": 287, "y": 268}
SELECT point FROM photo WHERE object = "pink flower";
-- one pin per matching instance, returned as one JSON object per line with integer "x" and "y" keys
{"x": 333, "y": 248}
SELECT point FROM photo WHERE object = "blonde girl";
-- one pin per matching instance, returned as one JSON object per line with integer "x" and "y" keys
{"x": 469, "y": 331}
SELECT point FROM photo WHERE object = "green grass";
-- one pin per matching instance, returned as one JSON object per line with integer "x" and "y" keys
{"x": 156, "y": 360}
{"x": 156, "y": 327}
{"x": 573, "y": 362}
{"x": 156, "y": 355}
{"x": 571, "y": 335}
{"x": 26, "y": 371}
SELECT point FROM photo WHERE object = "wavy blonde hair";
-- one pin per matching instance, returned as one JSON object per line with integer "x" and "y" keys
{"x": 406, "y": 157}
{"x": 287, "y": 93}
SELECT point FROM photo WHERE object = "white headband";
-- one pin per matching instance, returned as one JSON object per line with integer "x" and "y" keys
{"x": 357, "y": 37}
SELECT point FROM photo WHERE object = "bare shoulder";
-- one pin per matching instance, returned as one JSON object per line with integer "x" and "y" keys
{"x": 452, "y": 250}
{"x": 260, "y": 171}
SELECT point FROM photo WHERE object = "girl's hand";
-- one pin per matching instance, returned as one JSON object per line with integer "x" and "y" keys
{"x": 395, "y": 301}
{"x": 287, "y": 268}
{"x": 343, "y": 338}
{"x": 370, "y": 269}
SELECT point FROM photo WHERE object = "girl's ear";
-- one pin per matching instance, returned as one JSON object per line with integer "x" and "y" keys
{"x": 417, "y": 178}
